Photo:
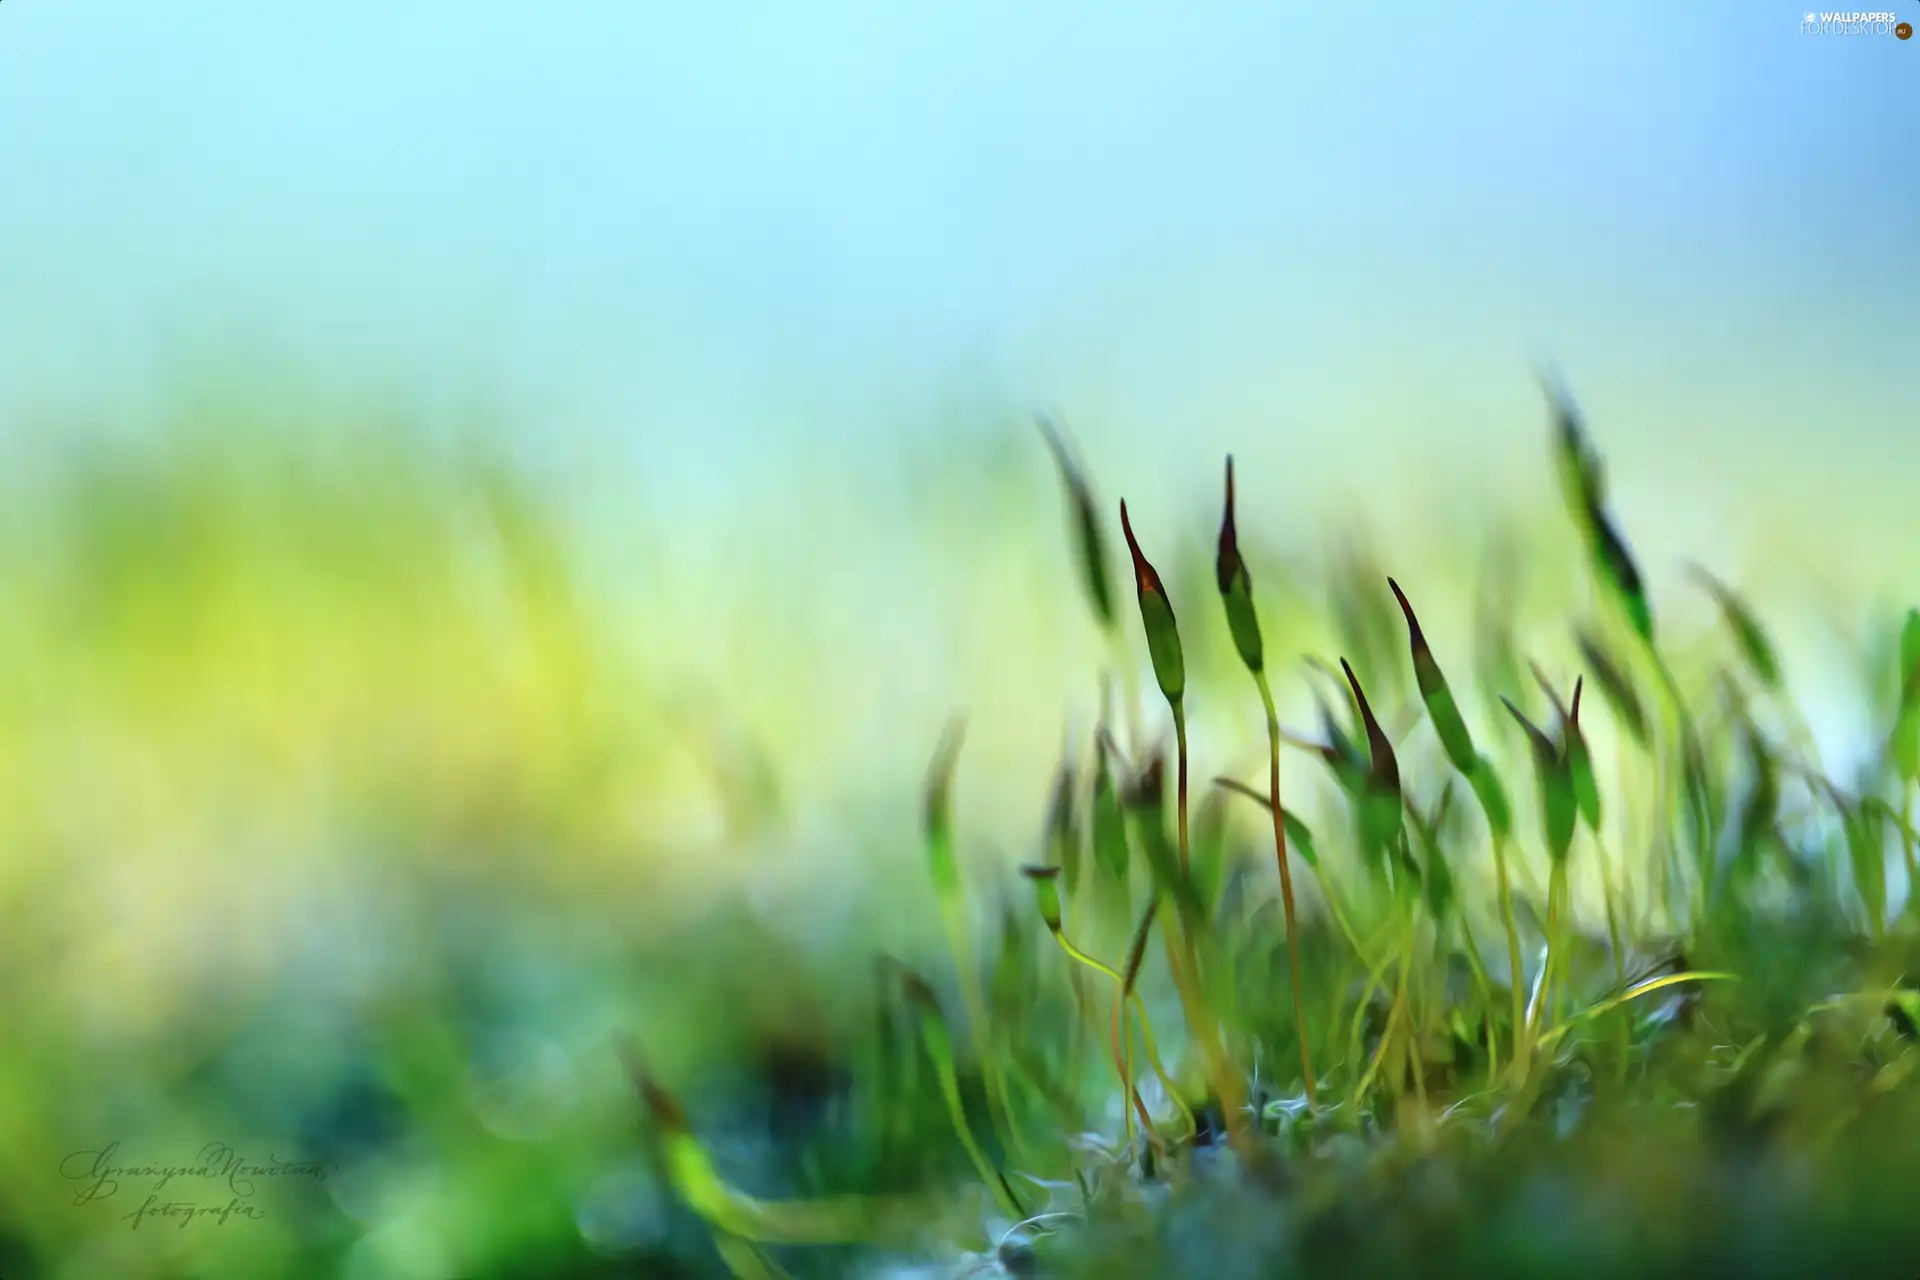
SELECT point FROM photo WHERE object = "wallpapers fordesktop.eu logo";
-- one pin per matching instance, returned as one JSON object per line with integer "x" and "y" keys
{"x": 1841, "y": 23}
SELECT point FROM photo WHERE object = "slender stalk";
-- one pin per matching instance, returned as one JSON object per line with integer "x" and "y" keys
{"x": 1625, "y": 1038}
{"x": 1486, "y": 993}
{"x": 950, "y": 1090}
{"x": 1286, "y": 888}
{"x": 1396, "y": 1019}
{"x": 1613, "y": 920}
{"x": 747, "y": 1260}
{"x": 1556, "y": 890}
{"x": 1327, "y": 889}
{"x": 1136, "y": 953}
{"x": 1123, "y": 1061}
{"x": 1374, "y": 975}
{"x": 1226, "y": 1084}
{"x": 1145, "y": 1024}
{"x": 1513, "y": 960}
{"x": 1907, "y": 846}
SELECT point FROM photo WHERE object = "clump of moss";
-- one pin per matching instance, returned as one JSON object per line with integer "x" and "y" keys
{"x": 1669, "y": 1092}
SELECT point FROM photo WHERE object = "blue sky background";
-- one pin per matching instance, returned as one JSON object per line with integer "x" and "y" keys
{"x": 733, "y": 263}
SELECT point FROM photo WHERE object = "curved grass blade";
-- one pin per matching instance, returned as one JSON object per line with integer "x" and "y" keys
{"x": 945, "y": 867}
{"x": 731, "y": 1212}
{"x": 939, "y": 1045}
{"x": 1549, "y": 1038}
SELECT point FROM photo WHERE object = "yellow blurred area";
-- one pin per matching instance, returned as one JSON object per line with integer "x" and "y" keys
{"x": 238, "y": 669}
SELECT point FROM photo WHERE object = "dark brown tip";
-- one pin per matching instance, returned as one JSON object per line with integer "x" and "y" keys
{"x": 1149, "y": 785}
{"x": 948, "y": 749}
{"x": 1379, "y": 746}
{"x": 661, "y": 1105}
{"x": 1573, "y": 717}
{"x": 1137, "y": 948}
{"x": 1519, "y": 716}
{"x": 1542, "y": 743}
{"x": 1145, "y": 580}
{"x": 1546, "y": 687}
{"x": 1414, "y": 633}
{"x": 1227, "y": 564}
{"x": 915, "y": 987}
{"x": 1032, "y": 872}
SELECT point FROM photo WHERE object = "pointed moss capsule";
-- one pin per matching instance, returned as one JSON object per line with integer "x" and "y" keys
{"x": 1380, "y": 794}
{"x": 1441, "y": 708}
{"x": 1618, "y": 569}
{"x": 1748, "y": 634}
{"x": 1583, "y": 486}
{"x": 1383, "y": 768}
{"x": 1236, "y": 587}
{"x": 1613, "y": 682}
{"x": 1579, "y": 759}
{"x": 1586, "y": 787}
{"x": 1046, "y": 891}
{"x": 1090, "y": 541}
{"x": 1346, "y": 761}
{"x": 1156, "y": 616}
{"x": 1582, "y": 480}
{"x": 938, "y": 811}
{"x": 1558, "y": 808}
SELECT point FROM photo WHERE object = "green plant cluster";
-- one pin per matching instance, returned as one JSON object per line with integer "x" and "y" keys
{"x": 1366, "y": 1068}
